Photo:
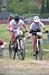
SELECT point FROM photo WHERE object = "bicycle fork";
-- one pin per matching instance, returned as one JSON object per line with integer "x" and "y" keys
{"x": 39, "y": 41}
{"x": 19, "y": 43}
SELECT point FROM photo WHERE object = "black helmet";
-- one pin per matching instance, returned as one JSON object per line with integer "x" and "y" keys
{"x": 16, "y": 17}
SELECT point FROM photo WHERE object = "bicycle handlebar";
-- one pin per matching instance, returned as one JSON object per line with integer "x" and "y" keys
{"x": 38, "y": 31}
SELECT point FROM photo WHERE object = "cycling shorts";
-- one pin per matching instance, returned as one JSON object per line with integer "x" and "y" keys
{"x": 35, "y": 31}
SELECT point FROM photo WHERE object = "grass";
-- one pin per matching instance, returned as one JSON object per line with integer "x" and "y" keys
{"x": 4, "y": 34}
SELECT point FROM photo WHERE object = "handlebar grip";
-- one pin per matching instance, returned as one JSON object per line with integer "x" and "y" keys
{"x": 26, "y": 30}
{"x": 46, "y": 31}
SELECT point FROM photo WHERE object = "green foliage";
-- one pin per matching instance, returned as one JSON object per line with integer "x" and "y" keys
{"x": 0, "y": 4}
{"x": 44, "y": 15}
{"x": 35, "y": 8}
{"x": 4, "y": 32}
{"x": 42, "y": 6}
{"x": 47, "y": 6}
{"x": 44, "y": 9}
{"x": 21, "y": 7}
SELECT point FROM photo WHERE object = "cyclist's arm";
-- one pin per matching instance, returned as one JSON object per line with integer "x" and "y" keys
{"x": 24, "y": 26}
{"x": 43, "y": 26}
{"x": 31, "y": 28}
{"x": 10, "y": 26}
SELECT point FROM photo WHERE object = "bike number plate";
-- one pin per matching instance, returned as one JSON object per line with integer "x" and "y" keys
{"x": 39, "y": 33}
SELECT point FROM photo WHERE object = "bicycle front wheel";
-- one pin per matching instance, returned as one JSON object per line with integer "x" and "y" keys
{"x": 12, "y": 50}
{"x": 21, "y": 51}
{"x": 39, "y": 51}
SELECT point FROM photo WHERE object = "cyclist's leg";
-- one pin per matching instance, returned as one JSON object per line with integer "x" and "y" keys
{"x": 33, "y": 43}
{"x": 11, "y": 37}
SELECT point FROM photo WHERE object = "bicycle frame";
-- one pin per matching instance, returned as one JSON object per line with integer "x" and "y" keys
{"x": 38, "y": 46}
{"x": 37, "y": 43}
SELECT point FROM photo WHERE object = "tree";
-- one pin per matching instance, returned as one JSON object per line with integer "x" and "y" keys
{"x": 14, "y": 6}
{"x": 0, "y": 4}
{"x": 26, "y": 6}
{"x": 42, "y": 7}
{"x": 47, "y": 6}
{"x": 9, "y": 5}
{"x": 35, "y": 8}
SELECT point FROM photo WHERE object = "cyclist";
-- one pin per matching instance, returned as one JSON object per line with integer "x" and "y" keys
{"x": 14, "y": 24}
{"x": 35, "y": 26}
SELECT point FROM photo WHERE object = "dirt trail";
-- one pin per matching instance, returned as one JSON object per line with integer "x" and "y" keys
{"x": 29, "y": 67}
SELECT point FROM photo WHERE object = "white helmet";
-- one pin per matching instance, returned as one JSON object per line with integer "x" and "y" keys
{"x": 36, "y": 19}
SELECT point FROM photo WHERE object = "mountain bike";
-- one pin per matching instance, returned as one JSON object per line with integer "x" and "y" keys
{"x": 16, "y": 48}
{"x": 38, "y": 46}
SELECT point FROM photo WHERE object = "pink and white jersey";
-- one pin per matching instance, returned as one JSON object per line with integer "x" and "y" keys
{"x": 14, "y": 25}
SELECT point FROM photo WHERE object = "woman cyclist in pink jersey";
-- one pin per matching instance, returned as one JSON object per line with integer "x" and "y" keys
{"x": 13, "y": 25}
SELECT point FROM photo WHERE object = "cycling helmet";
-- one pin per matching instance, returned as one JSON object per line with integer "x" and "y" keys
{"x": 36, "y": 19}
{"x": 16, "y": 17}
